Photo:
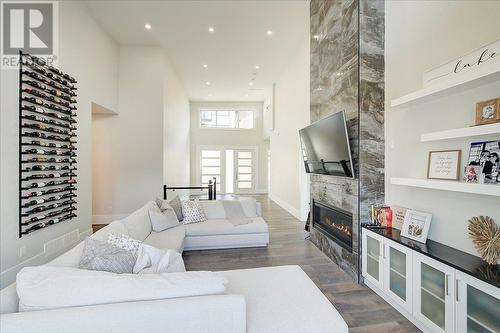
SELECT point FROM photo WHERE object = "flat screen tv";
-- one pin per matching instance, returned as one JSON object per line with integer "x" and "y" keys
{"x": 325, "y": 147}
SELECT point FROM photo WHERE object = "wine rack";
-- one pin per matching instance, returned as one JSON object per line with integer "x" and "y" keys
{"x": 47, "y": 138}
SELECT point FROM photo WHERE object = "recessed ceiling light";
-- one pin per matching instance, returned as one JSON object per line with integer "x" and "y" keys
{"x": 316, "y": 36}
{"x": 147, "y": 26}
{"x": 207, "y": 83}
{"x": 257, "y": 66}
{"x": 211, "y": 29}
{"x": 251, "y": 83}
{"x": 205, "y": 65}
{"x": 269, "y": 32}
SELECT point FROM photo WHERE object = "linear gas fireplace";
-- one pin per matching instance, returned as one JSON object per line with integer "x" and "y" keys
{"x": 335, "y": 223}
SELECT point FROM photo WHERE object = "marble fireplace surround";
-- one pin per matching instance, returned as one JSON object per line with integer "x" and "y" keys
{"x": 347, "y": 74}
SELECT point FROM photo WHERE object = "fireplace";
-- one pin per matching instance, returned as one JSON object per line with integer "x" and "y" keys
{"x": 335, "y": 223}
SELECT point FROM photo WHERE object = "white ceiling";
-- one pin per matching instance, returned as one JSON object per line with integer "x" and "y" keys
{"x": 239, "y": 43}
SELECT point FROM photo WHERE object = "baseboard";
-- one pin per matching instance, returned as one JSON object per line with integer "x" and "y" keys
{"x": 106, "y": 219}
{"x": 8, "y": 276}
{"x": 286, "y": 206}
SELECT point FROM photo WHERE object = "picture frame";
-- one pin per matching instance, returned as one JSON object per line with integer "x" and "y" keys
{"x": 444, "y": 164}
{"x": 488, "y": 112}
{"x": 483, "y": 163}
{"x": 416, "y": 225}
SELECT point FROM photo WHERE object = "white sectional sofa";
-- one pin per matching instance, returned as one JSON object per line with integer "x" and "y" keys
{"x": 261, "y": 300}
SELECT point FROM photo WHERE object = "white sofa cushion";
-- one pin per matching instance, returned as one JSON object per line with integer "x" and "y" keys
{"x": 138, "y": 223}
{"x": 284, "y": 299}
{"x": 115, "y": 227}
{"x": 45, "y": 287}
{"x": 213, "y": 209}
{"x": 172, "y": 238}
{"x": 208, "y": 314}
{"x": 224, "y": 227}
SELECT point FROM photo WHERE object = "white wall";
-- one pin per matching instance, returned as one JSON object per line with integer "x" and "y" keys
{"x": 176, "y": 129}
{"x": 419, "y": 36}
{"x": 236, "y": 138}
{"x": 289, "y": 187}
{"x": 132, "y": 141}
{"x": 87, "y": 53}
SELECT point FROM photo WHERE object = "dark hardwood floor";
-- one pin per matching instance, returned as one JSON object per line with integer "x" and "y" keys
{"x": 362, "y": 309}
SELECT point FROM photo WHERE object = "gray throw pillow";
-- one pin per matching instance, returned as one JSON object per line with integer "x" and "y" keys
{"x": 164, "y": 220}
{"x": 176, "y": 205}
{"x": 101, "y": 256}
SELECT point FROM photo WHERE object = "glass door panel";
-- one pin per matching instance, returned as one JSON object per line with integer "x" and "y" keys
{"x": 397, "y": 273}
{"x": 432, "y": 295}
{"x": 373, "y": 257}
{"x": 483, "y": 311}
{"x": 245, "y": 173}
{"x": 211, "y": 167}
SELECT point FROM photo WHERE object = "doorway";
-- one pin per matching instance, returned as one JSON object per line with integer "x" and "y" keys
{"x": 234, "y": 168}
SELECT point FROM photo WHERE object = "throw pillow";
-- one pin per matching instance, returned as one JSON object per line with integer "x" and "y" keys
{"x": 192, "y": 211}
{"x": 177, "y": 207}
{"x": 101, "y": 256}
{"x": 175, "y": 204}
{"x": 125, "y": 243}
{"x": 164, "y": 220}
{"x": 154, "y": 260}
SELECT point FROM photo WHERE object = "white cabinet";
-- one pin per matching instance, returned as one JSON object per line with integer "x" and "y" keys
{"x": 435, "y": 296}
{"x": 397, "y": 273}
{"x": 387, "y": 265}
{"x": 477, "y": 305}
{"x": 433, "y": 290}
{"x": 372, "y": 258}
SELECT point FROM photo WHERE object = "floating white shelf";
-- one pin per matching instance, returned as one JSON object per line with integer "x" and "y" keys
{"x": 461, "y": 83}
{"x": 464, "y": 132}
{"x": 449, "y": 185}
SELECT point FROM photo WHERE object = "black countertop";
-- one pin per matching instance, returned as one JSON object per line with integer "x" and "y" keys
{"x": 457, "y": 259}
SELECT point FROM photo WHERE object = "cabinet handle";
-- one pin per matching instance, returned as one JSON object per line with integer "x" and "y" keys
{"x": 446, "y": 283}
{"x": 383, "y": 250}
{"x": 457, "y": 297}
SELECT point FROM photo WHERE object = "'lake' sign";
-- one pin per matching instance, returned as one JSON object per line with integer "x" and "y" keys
{"x": 484, "y": 59}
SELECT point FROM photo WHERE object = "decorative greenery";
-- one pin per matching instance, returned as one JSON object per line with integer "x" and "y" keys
{"x": 485, "y": 235}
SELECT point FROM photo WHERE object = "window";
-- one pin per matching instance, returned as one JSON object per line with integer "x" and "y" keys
{"x": 229, "y": 119}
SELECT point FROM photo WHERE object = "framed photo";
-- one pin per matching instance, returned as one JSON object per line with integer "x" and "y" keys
{"x": 444, "y": 164}
{"x": 488, "y": 112}
{"x": 398, "y": 216}
{"x": 483, "y": 164}
{"x": 416, "y": 225}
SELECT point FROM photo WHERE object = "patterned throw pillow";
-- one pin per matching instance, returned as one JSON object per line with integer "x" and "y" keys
{"x": 101, "y": 256}
{"x": 125, "y": 243}
{"x": 192, "y": 211}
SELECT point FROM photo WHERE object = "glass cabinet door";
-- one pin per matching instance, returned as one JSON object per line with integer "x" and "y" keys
{"x": 398, "y": 273}
{"x": 478, "y": 305}
{"x": 372, "y": 260}
{"x": 434, "y": 305}
{"x": 432, "y": 292}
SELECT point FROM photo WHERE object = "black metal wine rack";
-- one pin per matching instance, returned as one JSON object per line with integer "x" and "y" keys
{"x": 47, "y": 138}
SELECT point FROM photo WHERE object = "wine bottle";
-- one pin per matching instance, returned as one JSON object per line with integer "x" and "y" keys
{"x": 34, "y": 194}
{"x": 35, "y": 151}
{"x": 34, "y": 227}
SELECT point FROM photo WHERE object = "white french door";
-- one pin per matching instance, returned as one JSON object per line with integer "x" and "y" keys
{"x": 233, "y": 167}
{"x": 244, "y": 166}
